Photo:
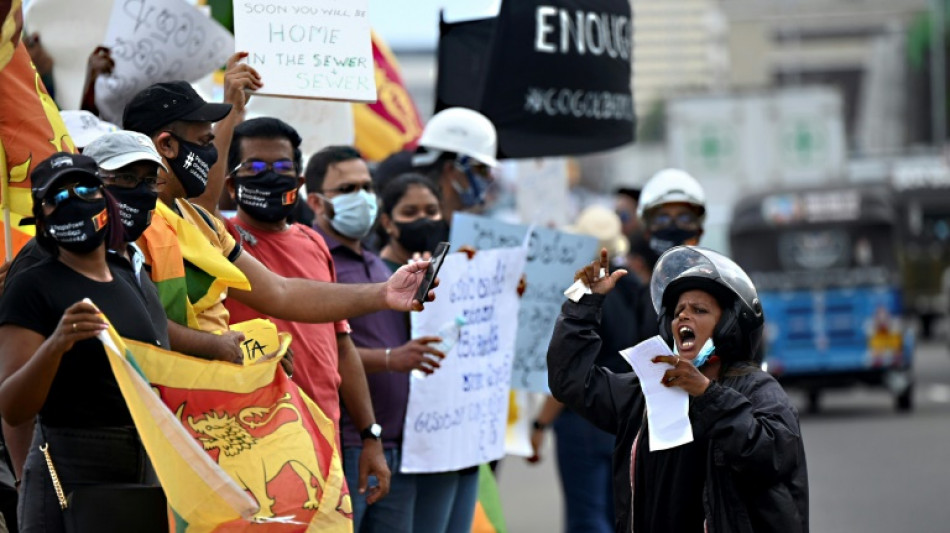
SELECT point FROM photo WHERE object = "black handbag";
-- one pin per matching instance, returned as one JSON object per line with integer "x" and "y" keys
{"x": 112, "y": 507}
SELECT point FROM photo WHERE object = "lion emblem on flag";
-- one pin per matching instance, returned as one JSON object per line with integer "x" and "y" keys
{"x": 253, "y": 462}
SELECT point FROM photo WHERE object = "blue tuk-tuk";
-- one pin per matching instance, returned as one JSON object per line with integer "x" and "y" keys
{"x": 825, "y": 263}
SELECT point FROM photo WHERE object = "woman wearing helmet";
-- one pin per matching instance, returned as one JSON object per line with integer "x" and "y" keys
{"x": 745, "y": 469}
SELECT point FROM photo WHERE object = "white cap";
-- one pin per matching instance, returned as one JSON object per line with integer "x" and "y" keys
{"x": 84, "y": 127}
{"x": 461, "y": 131}
{"x": 115, "y": 150}
{"x": 670, "y": 186}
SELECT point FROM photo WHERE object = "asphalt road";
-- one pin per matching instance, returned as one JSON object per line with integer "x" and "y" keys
{"x": 871, "y": 469}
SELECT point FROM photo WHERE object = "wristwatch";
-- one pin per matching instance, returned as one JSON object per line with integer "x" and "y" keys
{"x": 374, "y": 431}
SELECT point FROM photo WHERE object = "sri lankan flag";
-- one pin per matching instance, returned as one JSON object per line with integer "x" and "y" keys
{"x": 30, "y": 129}
{"x": 191, "y": 275}
{"x": 392, "y": 123}
{"x": 236, "y": 448}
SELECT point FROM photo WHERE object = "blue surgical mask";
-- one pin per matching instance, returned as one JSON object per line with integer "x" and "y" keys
{"x": 708, "y": 349}
{"x": 354, "y": 213}
{"x": 477, "y": 185}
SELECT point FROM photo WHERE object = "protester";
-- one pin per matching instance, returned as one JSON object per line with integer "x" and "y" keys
{"x": 186, "y": 235}
{"x": 672, "y": 209}
{"x": 265, "y": 160}
{"x": 583, "y": 450}
{"x": 745, "y": 469}
{"x": 53, "y": 367}
{"x": 457, "y": 151}
{"x": 410, "y": 215}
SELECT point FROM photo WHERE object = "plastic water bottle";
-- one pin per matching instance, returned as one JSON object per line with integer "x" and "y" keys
{"x": 450, "y": 333}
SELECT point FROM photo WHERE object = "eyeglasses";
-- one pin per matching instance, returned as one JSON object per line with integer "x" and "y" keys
{"x": 131, "y": 181}
{"x": 682, "y": 220}
{"x": 282, "y": 166}
{"x": 351, "y": 188}
{"x": 88, "y": 193}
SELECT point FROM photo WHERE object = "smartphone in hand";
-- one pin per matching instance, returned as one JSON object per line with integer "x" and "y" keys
{"x": 438, "y": 256}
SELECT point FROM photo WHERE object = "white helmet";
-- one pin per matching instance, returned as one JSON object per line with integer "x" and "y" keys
{"x": 462, "y": 131}
{"x": 670, "y": 186}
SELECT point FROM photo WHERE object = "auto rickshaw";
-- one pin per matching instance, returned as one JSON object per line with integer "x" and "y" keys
{"x": 826, "y": 264}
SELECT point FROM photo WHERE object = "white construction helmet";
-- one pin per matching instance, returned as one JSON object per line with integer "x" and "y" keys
{"x": 670, "y": 186}
{"x": 461, "y": 131}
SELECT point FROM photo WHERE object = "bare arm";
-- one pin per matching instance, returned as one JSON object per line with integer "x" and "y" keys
{"x": 239, "y": 79}
{"x": 30, "y": 362}
{"x": 224, "y": 347}
{"x": 305, "y": 300}
{"x": 18, "y": 440}
{"x": 354, "y": 390}
{"x": 414, "y": 355}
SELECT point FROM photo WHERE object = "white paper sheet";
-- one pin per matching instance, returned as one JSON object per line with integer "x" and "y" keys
{"x": 667, "y": 407}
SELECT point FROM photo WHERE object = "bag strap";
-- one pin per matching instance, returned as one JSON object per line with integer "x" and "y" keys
{"x": 52, "y": 474}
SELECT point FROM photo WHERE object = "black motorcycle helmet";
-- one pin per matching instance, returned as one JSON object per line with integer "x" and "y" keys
{"x": 739, "y": 332}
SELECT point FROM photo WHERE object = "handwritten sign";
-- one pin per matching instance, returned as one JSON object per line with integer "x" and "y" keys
{"x": 553, "y": 257}
{"x": 457, "y": 417}
{"x": 154, "y": 41}
{"x": 308, "y": 48}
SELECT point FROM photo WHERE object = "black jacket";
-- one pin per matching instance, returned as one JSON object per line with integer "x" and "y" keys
{"x": 756, "y": 477}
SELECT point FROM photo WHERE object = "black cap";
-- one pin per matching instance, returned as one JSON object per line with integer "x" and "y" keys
{"x": 59, "y": 165}
{"x": 163, "y": 103}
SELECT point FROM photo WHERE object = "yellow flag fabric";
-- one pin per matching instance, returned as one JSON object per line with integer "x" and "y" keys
{"x": 190, "y": 273}
{"x": 269, "y": 461}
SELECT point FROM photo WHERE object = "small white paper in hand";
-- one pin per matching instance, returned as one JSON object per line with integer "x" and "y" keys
{"x": 578, "y": 289}
{"x": 667, "y": 407}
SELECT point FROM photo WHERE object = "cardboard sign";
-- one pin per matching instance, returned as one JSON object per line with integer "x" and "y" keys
{"x": 154, "y": 41}
{"x": 308, "y": 48}
{"x": 553, "y": 257}
{"x": 457, "y": 417}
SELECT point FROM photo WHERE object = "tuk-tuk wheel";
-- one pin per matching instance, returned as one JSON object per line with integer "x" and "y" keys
{"x": 814, "y": 401}
{"x": 904, "y": 402}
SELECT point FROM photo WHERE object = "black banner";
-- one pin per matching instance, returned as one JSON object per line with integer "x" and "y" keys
{"x": 554, "y": 78}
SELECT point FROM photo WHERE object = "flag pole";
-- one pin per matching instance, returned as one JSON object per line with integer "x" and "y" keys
{"x": 5, "y": 204}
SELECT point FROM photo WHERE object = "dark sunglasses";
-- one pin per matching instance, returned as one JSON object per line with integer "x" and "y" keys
{"x": 683, "y": 220}
{"x": 88, "y": 193}
{"x": 250, "y": 168}
{"x": 351, "y": 188}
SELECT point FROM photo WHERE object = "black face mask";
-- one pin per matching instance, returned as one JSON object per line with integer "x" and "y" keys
{"x": 422, "y": 234}
{"x": 77, "y": 225}
{"x": 268, "y": 196}
{"x": 192, "y": 164}
{"x": 135, "y": 209}
{"x": 663, "y": 239}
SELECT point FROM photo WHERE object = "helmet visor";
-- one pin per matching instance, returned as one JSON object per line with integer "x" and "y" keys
{"x": 701, "y": 263}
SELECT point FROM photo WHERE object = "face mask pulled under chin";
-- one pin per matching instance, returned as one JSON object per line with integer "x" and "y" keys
{"x": 353, "y": 214}
{"x": 192, "y": 165}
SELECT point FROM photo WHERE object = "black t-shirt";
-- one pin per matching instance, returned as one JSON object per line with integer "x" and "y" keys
{"x": 668, "y": 487}
{"x": 84, "y": 392}
{"x": 32, "y": 254}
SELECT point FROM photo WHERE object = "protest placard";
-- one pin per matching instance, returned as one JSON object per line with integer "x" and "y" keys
{"x": 553, "y": 257}
{"x": 457, "y": 416}
{"x": 309, "y": 48}
{"x": 154, "y": 41}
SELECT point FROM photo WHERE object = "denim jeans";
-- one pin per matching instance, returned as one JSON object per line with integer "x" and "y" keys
{"x": 394, "y": 512}
{"x": 584, "y": 462}
{"x": 82, "y": 457}
{"x": 445, "y": 502}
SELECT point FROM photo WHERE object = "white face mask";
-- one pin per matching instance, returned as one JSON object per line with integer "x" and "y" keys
{"x": 354, "y": 213}
{"x": 708, "y": 349}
